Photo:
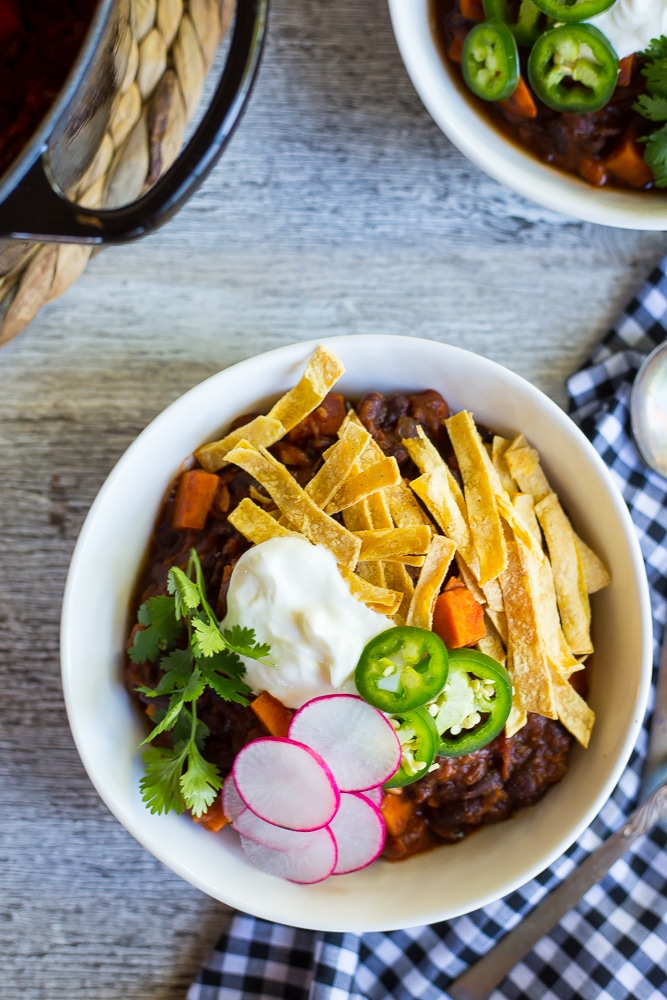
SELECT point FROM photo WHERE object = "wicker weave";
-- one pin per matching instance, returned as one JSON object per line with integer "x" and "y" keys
{"x": 170, "y": 45}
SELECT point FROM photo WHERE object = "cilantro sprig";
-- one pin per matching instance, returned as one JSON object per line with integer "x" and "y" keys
{"x": 653, "y": 106}
{"x": 180, "y": 631}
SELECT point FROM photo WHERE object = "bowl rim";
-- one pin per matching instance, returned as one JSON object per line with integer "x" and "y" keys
{"x": 145, "y": 831}
{"x": 444, "y": 99}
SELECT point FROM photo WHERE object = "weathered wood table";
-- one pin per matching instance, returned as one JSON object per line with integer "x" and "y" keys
{"x": 339, "y": 207}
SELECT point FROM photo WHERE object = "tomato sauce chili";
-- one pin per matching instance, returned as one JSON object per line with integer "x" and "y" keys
{"x": 590, "y": 145}
{"x": 39, "y": 42}
{"x": 465, "y": 792}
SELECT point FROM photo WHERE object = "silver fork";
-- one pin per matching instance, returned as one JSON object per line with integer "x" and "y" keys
{"x": 480, "y": 979}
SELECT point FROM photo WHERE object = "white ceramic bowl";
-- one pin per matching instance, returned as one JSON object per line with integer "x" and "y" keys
{"x": 449, "y": 105}
{"x": 450, "y": 880}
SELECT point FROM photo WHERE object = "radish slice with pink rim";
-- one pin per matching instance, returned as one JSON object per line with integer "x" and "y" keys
{"x": 310, "y": 862}
{"x": 360, "y": 832}
{"x": 232, "y": 803}
{"x": 373, "y": 794}
{"x": 286, "y": 783}
{"x": 356, "y": 740}
{"x": 248, "y": 824}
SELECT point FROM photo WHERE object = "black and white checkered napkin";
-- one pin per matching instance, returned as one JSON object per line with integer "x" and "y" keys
{"x": 613, "y": 946}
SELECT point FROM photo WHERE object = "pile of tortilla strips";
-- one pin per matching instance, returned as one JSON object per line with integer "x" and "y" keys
{"x": 513, "y": 544}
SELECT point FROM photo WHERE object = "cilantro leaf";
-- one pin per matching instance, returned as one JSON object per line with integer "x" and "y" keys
{"x": 161, "y": 629}
{"x": 161, "y": 781}
{"x": 657, "y": 49}
{"x": 224, "y": 682}
{"x": 243, "y": 641}
{"x": 655, "y": 68}
{"x": 178, "y": 666}
{"x": 187, "y": 595}
{"x": 655, "y": 154}
{"x": 200, "y": 783}
{"x": 652, "y": 106}
{"x": 179, "y": 777}
{"x": 208, "y": 638}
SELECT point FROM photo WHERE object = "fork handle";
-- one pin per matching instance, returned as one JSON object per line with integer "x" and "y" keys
{"x": 480, "y": 979}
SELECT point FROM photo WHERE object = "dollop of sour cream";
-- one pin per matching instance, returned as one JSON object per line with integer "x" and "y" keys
{"x": 630, "y": 25}
{"x": 292, "y": 594}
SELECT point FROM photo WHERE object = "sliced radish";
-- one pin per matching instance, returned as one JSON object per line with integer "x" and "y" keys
{"x": 286, "y": 783}
{"x": 311, "y": 862}
{"x": 360, "y": 832}
{"x": 356, "y": 740}
{"x": 248, "y": 824}
{"x": 373, "y": 794}
{"x": 232, "y": 803}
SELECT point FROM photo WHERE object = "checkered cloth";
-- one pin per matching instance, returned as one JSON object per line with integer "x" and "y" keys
{"x": 613, "y": 945}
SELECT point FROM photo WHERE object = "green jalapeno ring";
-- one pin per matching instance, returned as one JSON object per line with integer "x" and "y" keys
{"x": 419, "y": 742}
{"x": 477, "y": 686}
{"x": 401, "y": 669}
{"x": 527, "y": 27}
{"x": 490, "y": 61}
{"x": 573, "y": 10}
{"x": 529, "y": 24}
{"x": 573, "y": 67}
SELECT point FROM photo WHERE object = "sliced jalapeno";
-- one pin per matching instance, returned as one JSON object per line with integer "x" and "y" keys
{"x": 474, "y": 705}
{"x": 527, "y": 28}
{"x": 573, "y": 67}
{"x": 490, "y": 61}
{"x": 574, "y": 10}
{"x": 496, "y": 10}
{"x": 529, "y": 24}
{"x": 419, "y": 741}
{"x": 402, "y": 669}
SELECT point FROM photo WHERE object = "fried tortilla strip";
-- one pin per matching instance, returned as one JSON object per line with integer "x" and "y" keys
{"x": 542, "y": 581}
{"x": 256, "y": 524}
{"x": 338, "y": 465}
{"x": 491, "y": 643}
{"x": 470, "y": 580}
{"x": 568, "y": 572}
{"x": 395, "y": 544}
{"x": 499, "y": 619}
{"x": 519, "y": 528}
{"x": 516, "y": 720}
{"x": 524, "y": 465}
{"x": 575, "y": 714}
{"x": 397, "y": 578}
{"x": 531, "y": 671}
{"x": 498, "y": 448}
{"x": 293, "y": 502}
{"x": 596, "y": 574}
{"x": 378, "y": 509}
{"x": 434, "y": 489}
{"x": 388, "y": 542}
{"x": 431, "y": 577}
{"x": 376, "y": 477}
{"x": 422, "y": 451}
{"x": 263, "y": 430}
{"x": 403, "y": 507}
{"x": 366, "y": 515}
{"x": 320, "y": 375}
{"x": 480, "y": 495}
{"x": 379, "y": 598}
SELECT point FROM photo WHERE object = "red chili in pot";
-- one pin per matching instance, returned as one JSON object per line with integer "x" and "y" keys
{"x": 39, "y": 42}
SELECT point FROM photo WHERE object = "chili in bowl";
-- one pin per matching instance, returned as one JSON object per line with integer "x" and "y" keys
{"x": 109, "y": 582}
{"x": 550, "y": 97}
